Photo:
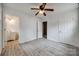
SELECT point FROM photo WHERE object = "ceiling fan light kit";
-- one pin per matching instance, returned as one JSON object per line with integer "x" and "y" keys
{"x": 41, "y": 11}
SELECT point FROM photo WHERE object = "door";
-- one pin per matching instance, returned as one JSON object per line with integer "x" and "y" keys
{"x": 44, "y": 25}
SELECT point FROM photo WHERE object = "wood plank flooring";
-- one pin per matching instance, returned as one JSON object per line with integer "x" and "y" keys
{"x": 12, "y": 49}
{"x": 40, "y": 47}
{"x": 43, "y": 47}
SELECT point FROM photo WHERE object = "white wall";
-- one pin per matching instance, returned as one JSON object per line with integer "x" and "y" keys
{"x": 28, "y": 28}
{"x": 27, "y": 24}
{"x": 64, "y": 27}
{"x": 0, "y": 25}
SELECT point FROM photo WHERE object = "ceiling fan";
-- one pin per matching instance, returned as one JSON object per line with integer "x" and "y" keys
{"x": 42, "y": 9}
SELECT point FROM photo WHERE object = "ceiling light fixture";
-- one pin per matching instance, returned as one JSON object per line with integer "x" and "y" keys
{"x": 41, "y": 11}
{"x": 12, "y": 21}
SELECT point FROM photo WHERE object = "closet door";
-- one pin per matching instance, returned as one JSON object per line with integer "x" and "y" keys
{"x": 64, "y": 27}
{"x": 68, "y": 26}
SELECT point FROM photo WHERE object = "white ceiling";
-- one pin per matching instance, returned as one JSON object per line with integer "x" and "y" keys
{"x": 58, "y": 7}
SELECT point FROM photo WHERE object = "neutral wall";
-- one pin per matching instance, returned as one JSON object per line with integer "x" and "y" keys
{"x": 64, "y": 27}
{"x": 27, "y": 24}
{"x": 0, "y": 25}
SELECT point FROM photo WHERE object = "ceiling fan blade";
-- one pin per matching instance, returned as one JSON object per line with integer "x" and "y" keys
{"x": 36, "y": 13}
{"x": 49, "y": 9}
{"x": 44, "y": 14}
{"x": 34, "y": 8}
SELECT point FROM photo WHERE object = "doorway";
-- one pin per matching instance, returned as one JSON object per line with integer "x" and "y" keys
{"x": 44, "y": 33}
{"x": 11, "y": 32}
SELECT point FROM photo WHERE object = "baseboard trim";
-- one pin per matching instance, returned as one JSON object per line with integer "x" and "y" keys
{"x": 30, "y": 41}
